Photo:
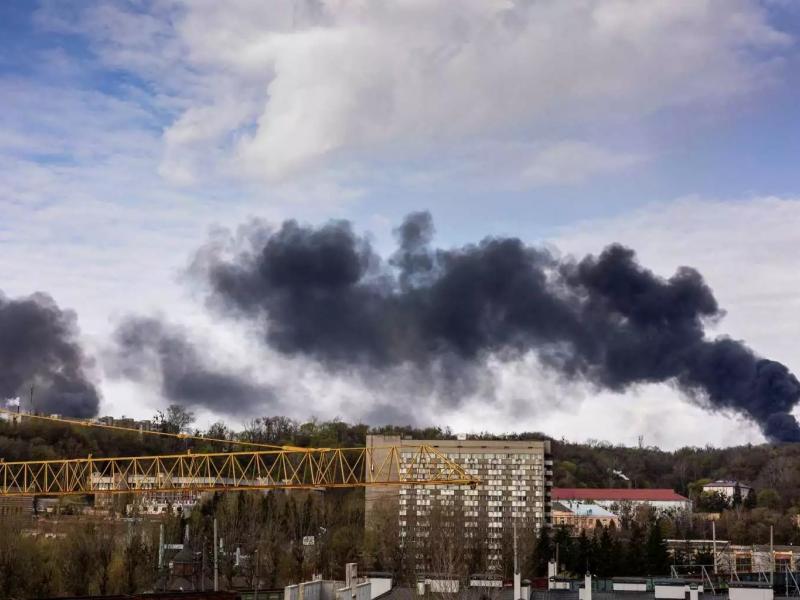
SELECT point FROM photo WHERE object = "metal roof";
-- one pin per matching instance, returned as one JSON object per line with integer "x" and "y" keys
{"x": 642, "y": 495}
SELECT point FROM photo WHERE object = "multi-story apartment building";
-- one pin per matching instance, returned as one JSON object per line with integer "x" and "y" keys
{"x": 515, "y": 477}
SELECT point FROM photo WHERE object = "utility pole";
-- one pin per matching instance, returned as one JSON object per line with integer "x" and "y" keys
{"x": 258, "y": 563}
{"x": 771, "y": 558}
{"x": 160, "y": 547}
{"x": 517, "y": 576}
{"x": 714, "y": 543}
{"x": 216, "y": 558}
{"x": 557, "y": 545}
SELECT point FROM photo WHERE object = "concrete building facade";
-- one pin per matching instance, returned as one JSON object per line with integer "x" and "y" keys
{"x": 581, "y": 516}
{"x": 516, "y": 478}
{"x": 727, "y": 488}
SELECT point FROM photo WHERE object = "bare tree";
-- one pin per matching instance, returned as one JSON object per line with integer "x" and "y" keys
{"x": 14, "y": 563}
{"x": 105, "y": 546}
{"x": 79, "y": 567}
{"x": 175, "y": 419}
{"x": 137, "y": 556}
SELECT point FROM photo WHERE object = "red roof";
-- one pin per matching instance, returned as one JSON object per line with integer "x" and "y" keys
{"x": 643, "y": 495}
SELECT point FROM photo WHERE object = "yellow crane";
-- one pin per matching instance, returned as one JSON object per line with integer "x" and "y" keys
{"x": 260, "y": 467}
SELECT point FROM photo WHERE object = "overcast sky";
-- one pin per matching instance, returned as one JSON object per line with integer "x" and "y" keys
{"x": 130, "y": 132}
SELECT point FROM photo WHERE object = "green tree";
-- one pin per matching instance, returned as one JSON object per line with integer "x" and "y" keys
{"x": 750, "y": 501}
{"x": 542, "y": 553}
{"x": 583, "y": 558}
{"x": 657, "y": 556}
{"x": 769, "y": 498}
{"x": 696, "y": 488}
{"x": 563, "y": 548}
{"x": 634, "y": 559}
{"x": 712, "y": 502}
{"x": 606, "y": 553}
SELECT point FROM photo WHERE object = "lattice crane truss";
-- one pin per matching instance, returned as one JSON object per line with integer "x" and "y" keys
{"x": 269, "y": 467}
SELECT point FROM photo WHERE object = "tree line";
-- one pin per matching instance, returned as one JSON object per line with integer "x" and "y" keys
{"x": 607, "y": 552}
{"x": 120, "y": 556}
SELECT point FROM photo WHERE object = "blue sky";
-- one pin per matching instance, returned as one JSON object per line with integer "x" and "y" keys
{"x": 129, "y": 130}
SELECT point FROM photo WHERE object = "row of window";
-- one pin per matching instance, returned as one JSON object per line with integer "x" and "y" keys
{"x": 504, "y": 459}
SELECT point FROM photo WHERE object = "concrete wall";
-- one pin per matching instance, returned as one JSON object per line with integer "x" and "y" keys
{"x": 677, "y": 592}
{"x": 627, "y": 586}
{"x": 360, "y": 591}
{"x": 363, "y": 591}
{"x": 380, "y": 586}
{"x": 442, "y": 586}
{"x": 750, "y": 593}
{"x": 311, "y": 590}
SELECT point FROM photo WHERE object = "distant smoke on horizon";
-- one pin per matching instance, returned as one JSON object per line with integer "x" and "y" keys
{"x": 433, "y": 319}
{"x": 147, "y": 348}
{"x": 324, "y": 294}
{"x": 39, "y": 349}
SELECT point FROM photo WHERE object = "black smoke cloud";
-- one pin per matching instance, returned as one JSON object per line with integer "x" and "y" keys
{"x": 147, "y": 346}
{"x": 39, "y": 349}
{"x": 323, "y": 293}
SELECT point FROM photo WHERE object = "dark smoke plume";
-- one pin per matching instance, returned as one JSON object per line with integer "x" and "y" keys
{"x": 39, "y": 349}
{"x": 323, "y": 293}
{"x": 144, "y": 347}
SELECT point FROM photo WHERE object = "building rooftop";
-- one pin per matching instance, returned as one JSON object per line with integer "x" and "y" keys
{"x": 464, "y": 593}
{"x": 584, "y": 509}
{"x": 726, "y": 483}
{"x": 642, "y": 495}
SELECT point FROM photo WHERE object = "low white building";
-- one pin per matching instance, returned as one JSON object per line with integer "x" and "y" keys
{"x": 727, "y": 488}
{"x": 617, "y": 499}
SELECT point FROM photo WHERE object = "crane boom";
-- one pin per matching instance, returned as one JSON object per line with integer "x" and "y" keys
{"x": 310, "y": 468}
{"x": 167, "y": 434}
{"x": 268, "y": 467}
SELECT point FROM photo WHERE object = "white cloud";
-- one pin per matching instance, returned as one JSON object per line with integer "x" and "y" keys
{"x": 269, "y": 91}
{"x": 573, "y": 162}
{"x": 86, "y": 217}
{"x": 266, "y": 91}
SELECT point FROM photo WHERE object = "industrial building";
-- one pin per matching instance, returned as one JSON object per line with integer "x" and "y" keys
{"x": 739, "y": 559}
{"x": 515, "y": 482}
